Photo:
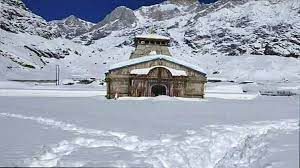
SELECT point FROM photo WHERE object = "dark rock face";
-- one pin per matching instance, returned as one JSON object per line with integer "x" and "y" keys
{"x": 47, "y": 54}
{"x": 16, "y": 3}
{"x": 15, "y": 17}
{"x": 176, "y": 25}
{"x": 16, "y": 60}
{"x": 6, "y": 27}
{"x": 125, "y": 43}
{"x": 269, "y": 50}
{"x": 89, "y": 38}
{"x": 281, "y": 50}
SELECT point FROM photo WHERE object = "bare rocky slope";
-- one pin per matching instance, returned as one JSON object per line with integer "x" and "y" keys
{"x": 236, "y": 39}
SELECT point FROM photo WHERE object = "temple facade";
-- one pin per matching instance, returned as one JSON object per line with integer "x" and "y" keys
{"x": 152, "y": 71}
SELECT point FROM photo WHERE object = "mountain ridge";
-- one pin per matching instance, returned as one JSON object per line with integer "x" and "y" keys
{"x": 71, "y": 26}
{"x": 205, "y": 34}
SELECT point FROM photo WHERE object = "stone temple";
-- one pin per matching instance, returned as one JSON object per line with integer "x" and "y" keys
{"x": 152, "y": 71}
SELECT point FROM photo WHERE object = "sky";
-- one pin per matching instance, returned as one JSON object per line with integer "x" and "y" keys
{"x": 90, "y": 10}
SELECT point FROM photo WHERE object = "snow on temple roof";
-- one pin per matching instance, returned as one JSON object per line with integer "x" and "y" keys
{"x": 145, "y": 71}
{"x": 153, "y": 36}
{"x": 153, "y": 53}
{"x": 155, "y": 57}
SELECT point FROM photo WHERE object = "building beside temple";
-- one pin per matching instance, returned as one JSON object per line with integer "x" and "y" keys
{"x": 152, "y": 71}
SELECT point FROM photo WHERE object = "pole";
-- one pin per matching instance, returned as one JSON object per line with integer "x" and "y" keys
{"x": 57, "y": 74}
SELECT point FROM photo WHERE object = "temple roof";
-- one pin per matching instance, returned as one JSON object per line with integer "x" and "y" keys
{"x": 153, "y": 36}
{"x": 156, "y": 57}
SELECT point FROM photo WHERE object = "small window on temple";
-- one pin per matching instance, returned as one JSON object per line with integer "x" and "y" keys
{"x": 147, "y": 42}
{"x": 152, "y": 42}
{"x": 163, "y": 43}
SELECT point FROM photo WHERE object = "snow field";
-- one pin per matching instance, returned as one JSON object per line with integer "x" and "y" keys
{"x": 8, "y": 88}
{"x": 212, "y": 146}
{"x": 50, "y": 93}
{"x": 92, "y": 131}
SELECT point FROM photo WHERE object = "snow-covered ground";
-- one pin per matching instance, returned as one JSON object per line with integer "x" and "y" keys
{"x": 234, "y": 126}
{"x": 46, "y": 125}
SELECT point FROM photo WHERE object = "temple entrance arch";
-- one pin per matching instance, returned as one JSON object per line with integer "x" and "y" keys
{"x": 158, "y": 89}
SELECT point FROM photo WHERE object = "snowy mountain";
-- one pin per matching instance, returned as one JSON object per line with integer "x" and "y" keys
{"x": 118, "y": 19}
{"x": 71, "y": 26}
{"x": 234, "y": 39}
{"x": 251, "y": 27}
{"x": 121, "y": 17}
{"x": 15, "y": 17}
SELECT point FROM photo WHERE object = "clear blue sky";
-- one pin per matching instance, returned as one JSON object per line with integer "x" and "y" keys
{"x": 91, "y": 10}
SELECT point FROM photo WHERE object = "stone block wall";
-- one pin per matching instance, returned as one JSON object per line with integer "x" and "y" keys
{"x": 119, "y": 81}
{"x": 145, "y": 50}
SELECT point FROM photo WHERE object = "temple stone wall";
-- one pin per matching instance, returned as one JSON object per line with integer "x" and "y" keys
{"x": 145, "y": 50}
{"x": 194, "y": 89}
{"x": 118, "y": 85}
{"x": 125, "y": 84}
